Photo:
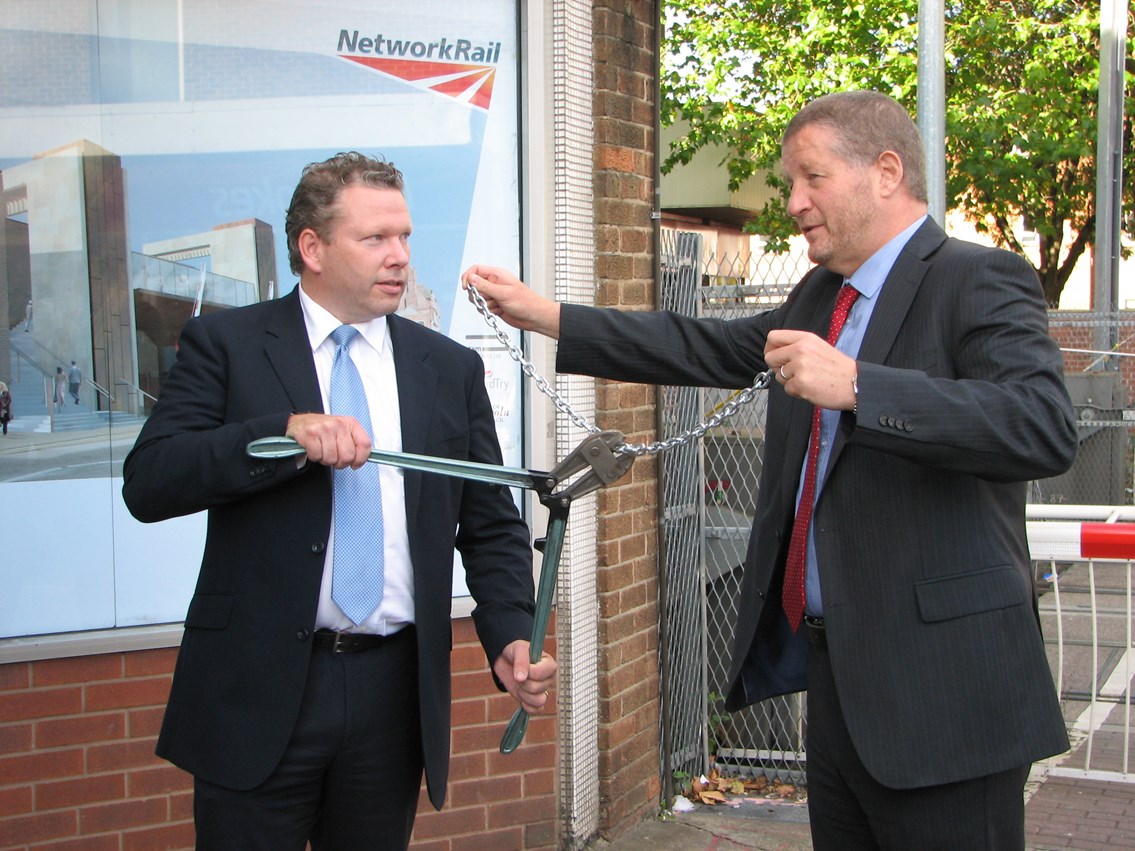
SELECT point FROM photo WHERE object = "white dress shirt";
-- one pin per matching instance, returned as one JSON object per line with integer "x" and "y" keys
{"x": 373, "y": 355}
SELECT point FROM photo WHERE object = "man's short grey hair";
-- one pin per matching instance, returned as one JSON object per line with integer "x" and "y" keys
{"x": 866, "y": 124}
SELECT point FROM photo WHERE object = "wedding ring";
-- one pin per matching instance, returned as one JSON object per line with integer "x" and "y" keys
{"x": 782, "y": 375}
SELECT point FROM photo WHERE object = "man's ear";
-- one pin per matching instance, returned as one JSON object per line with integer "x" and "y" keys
{"x": 311, "y": 249}
{"x": 890, "y": 172}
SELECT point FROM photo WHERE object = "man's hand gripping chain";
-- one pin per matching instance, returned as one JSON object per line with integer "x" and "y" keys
{"x": 599, "y": 454}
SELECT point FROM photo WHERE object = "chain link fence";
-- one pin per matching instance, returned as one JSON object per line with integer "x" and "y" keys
{"x": 709, "y": 492}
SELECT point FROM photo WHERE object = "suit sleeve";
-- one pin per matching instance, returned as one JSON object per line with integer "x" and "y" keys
{"x": 191, "y": 453}
{"x": 661, "y": 347}
{"x": 492, "y": 537}
{"x": 988, "y": 396}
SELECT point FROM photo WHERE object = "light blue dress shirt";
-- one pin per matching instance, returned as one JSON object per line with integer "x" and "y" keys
{"x": 868, "y": 279}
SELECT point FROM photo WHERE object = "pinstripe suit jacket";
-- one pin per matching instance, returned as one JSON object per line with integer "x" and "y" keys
{"x": 920, "y": 529}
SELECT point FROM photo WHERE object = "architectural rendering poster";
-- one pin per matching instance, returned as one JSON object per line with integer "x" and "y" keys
{"x": 148, "y": 151}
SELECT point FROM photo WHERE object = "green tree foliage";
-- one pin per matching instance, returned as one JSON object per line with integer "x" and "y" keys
{"x": 1022, "y": 78}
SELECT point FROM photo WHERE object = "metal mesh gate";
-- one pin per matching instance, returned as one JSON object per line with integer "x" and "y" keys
{"x": 708, "y": 496}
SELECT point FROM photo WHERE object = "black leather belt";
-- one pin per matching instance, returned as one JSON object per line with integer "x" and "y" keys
{"x": 348, "y": 642}
{"x": 817, "y": 635}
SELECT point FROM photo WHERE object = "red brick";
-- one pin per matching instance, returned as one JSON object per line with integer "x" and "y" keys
{"x": 467, "y": 686}
{"x": 128, "y": 693}
{"x": 498, "y": 840}
{"x": 41, "y": 766}
{"x": 144, "y": 783}
{"x": 16, "y": 675}
{"x": 538, "y": 783}
{"x": 84, "y": 790}
{"x": 450, "y": 822}
{"x": 181, "y": 804}
{"x": 122, "y": 755}
{"x": 468, "y": 658}
{"x": 80, "y": 730}
{"x": 106, "y": 842}
{"x": 40, "y": 827}
{"x": 464, "y": 631}
{"x": 523, "y": 812}
{"x": 466, "y": 712}
{"x": 527, "y": 757}
{"x": 77, "y": 669}
{"x": 40, "y": 703}
{"x": 465, "y": 765}
{"x": 144, "y": 722}
{"x": 485, "y": 791}
{"x": 501, "y": 707}
{"x": 123, "y": 814}
{"x": 619, "y": 159}
{"x": 540, "y": 835}
{"x": 15, "y": 738}
{"x": 147, "y": 663}
{"x": 15, "y": 801}
{"x": 165, "y": 838}
{"x": 477, "y": 738}
{"x": 541, "y": 728}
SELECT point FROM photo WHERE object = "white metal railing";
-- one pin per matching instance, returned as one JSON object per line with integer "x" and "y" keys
{"x": 1084, "y": 556}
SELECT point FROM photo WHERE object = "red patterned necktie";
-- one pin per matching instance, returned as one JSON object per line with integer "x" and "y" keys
{"x": 793, "y": 595}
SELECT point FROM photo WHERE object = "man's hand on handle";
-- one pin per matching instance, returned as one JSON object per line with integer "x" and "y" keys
{"x": 528, "y": 682}
{"x": 330, "y": 440}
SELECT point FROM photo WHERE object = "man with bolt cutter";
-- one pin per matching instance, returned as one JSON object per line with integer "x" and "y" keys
{"x": 307, "y": 710}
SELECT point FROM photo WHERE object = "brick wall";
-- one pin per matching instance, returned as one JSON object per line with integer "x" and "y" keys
{"x": 77, "y": 764}
{"x": 1083, "y": 337}
{"x": 624, "y": 114}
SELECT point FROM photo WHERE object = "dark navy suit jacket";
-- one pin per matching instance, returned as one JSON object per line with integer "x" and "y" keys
{"x": 920, "y": 528}
{"x": 243, "y": 661}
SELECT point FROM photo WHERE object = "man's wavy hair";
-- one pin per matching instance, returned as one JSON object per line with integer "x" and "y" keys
{"x": 314, "y": 201}
{"x": 866, "y": 124}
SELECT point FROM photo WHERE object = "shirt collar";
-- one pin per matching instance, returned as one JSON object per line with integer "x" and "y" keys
{"x": 869, "y": 277}
{"x": 320, "y": 323}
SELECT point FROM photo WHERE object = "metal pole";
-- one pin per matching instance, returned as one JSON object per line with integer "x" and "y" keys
{"x": 1109, "y": 172}
{"x": 932, "y": 102}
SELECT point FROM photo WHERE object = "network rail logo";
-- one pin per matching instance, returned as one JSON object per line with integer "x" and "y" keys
{"x": 459, "y": 68}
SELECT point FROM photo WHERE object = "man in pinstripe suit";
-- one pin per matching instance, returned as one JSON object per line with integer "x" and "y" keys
{"x": 929, "y": 694}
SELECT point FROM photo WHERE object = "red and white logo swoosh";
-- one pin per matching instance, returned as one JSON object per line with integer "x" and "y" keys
{"x": 471, "y": 84}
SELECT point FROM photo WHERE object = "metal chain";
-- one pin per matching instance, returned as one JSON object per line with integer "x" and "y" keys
{"x": 735, "y": 403}
{"x": 527, "y": 366}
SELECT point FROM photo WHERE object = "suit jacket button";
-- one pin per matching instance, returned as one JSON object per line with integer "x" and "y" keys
{"x": 318, "y": 547}
{"x": 891, "y": 422}
{"x": 882, "y": 420}
{"x": 908, "y": 425}
{"x": 303, "y": 634}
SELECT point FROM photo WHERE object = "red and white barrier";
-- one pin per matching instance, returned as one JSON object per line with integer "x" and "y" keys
{"x": 1097, "y": 532}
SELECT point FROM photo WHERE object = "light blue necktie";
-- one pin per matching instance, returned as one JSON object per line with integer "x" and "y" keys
{"x": 356, "y": 583}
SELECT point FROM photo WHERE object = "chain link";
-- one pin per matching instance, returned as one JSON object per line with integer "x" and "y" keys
{"x": 735, "y": 403}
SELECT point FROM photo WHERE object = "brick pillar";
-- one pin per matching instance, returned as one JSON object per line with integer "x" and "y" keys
{"x": 626, "y": 68}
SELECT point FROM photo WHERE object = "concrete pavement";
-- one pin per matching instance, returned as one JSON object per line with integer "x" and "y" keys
{"x": 1061, "y": 813}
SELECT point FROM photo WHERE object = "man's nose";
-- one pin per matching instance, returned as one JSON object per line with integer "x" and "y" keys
{"x": 399, "y": 255}
{"x": 797, "y": 202}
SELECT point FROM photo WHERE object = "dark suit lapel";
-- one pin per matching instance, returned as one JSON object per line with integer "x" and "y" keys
{"x": 417, "y": 392}
{"x": 289, "y": 352}
{"x": 898, "y": 293}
